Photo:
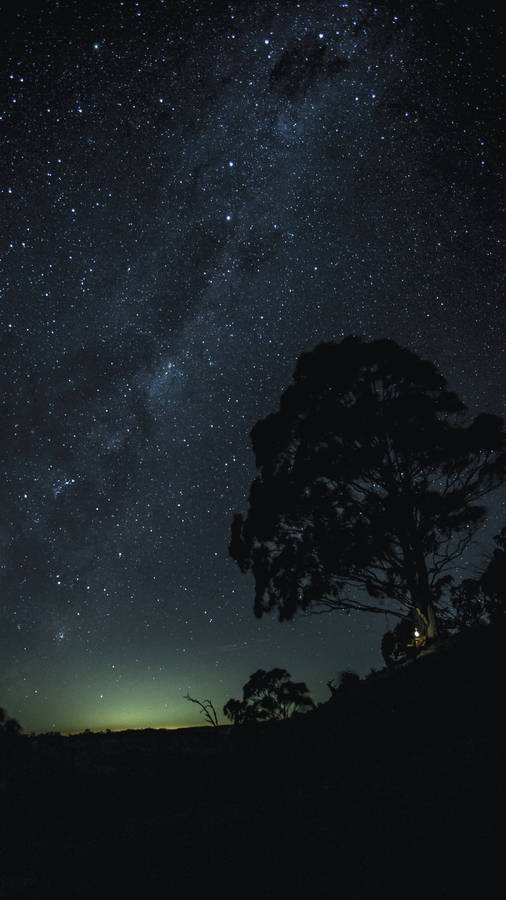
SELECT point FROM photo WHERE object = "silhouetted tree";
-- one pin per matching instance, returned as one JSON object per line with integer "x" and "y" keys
{"x": 483, "y": 599}
{"x": 8, "y": 727}
{"x": 268, "y": 695}
{"x": 394, "y": 644}
{"x": 493, "y": 580}
{"x": 348, "y": 679}
{"x": 238, "y": 711}
{"x": 332, "y": 686}
{"x": 207, "y": 708}
{"x": 368, "y": 488}
{"x": 468, "y": 603}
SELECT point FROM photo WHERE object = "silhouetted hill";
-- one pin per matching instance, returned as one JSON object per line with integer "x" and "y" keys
{"x": 391, "y": 789}
{"x": 457, "y": 684}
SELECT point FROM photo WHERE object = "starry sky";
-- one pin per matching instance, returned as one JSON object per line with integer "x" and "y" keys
{"x": 192, "y": 195}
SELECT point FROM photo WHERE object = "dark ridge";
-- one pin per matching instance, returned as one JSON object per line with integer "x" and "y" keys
{"x": 392, "y": 788}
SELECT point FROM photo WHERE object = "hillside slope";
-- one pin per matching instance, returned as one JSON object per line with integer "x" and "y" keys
{"x": 394, "y": 789}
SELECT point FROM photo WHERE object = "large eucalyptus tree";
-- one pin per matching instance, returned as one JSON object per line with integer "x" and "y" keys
{"x": 370, "y": 486}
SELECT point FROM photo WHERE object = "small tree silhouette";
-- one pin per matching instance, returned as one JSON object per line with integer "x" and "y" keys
{"x": 8, "y": 727}
{"x": 483, "y": 599}
{"x": 493, "y": 580}
{"x": 238, "y": 711}
{"x": 206, "y": 706}
{"x": 468, "y": 603}
{"x": 347, "y": 681}
{"x": 394, "y": 645}
{"x": 268, "y": 695}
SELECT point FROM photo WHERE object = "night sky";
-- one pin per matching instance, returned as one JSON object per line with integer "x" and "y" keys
{"x": 192, "y": 195}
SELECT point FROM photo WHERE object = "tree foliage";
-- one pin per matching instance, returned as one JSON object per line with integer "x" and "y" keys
{"x": 483, "y": 599}
{"x": 493, "y": 580}
{"x": 468, "y": 604}
{"x": 8, "y": 727}
{"x": 395, "y": 644}
{"x": 268, "y": 695}
{"x": 238, "y": 711}
{"x": 348, "y": 680}
{"x": 369, "y": 487}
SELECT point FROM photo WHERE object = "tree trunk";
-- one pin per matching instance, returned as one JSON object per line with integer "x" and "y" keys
{"x": 426, "y": 620}
{"x": 423, "y": 596}
{"x": 431, "y": 622}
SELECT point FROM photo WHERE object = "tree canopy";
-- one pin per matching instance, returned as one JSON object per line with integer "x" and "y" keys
{"x": 8, "y": 727}
{"x": 268, "y": 695}
{"x": 493, "y": 580}
{"x": 369, "y": 486}
{"x": 483, "y": 599}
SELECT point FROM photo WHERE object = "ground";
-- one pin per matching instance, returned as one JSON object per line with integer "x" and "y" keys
{"x": 391, "y": 790}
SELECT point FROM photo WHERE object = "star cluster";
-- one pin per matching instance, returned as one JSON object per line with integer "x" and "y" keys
{"x": 192, "y": 195}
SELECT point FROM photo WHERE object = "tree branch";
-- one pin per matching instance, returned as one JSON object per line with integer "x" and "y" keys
{"x": 207, "y": 708}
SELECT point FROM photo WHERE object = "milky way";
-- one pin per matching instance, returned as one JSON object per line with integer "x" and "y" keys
{"x": 192, "y": 195}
